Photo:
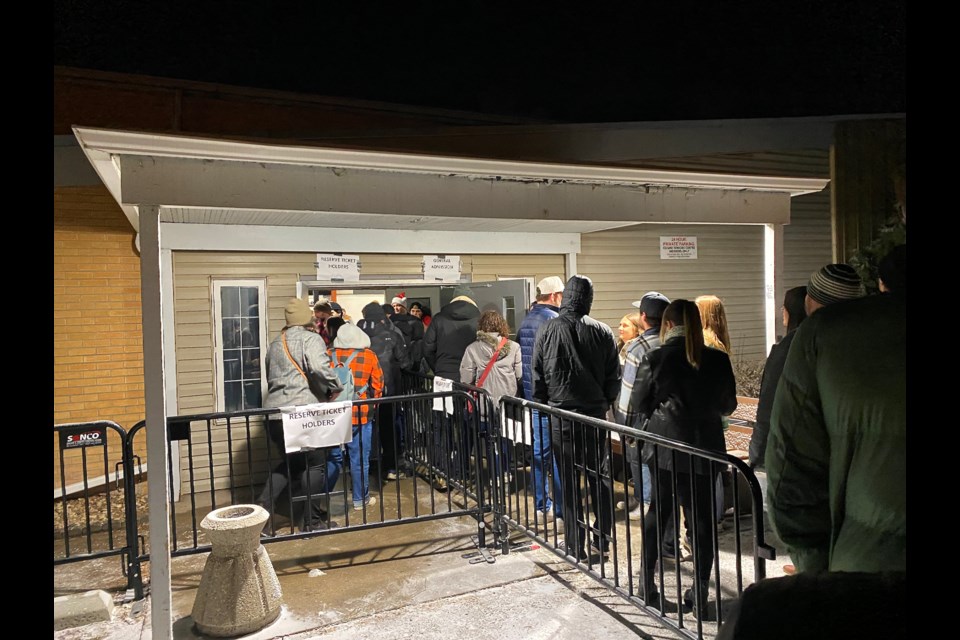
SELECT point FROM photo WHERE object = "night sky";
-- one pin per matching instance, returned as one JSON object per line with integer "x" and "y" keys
{"x": 615, "y": 62}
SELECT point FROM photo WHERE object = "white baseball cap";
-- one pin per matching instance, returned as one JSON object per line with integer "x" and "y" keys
{"x": 552, "y": 284}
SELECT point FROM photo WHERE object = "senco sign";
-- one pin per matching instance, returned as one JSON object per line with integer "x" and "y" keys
{"x": 88, "y": 437}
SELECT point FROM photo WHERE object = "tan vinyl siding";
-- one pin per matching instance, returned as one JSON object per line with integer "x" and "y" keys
{"x": 807, "y": 240}
{"x": 625, "y": 263}
{"x": 193, "y": 273}
{"x": 538, "y": 267}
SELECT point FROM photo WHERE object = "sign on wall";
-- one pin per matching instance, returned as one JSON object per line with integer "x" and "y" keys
{"x": 338, "y": 267}
{"x": 678, "y": 247}
{"x": 441, "y": 268}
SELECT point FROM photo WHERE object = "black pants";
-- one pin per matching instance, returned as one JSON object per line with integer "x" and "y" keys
{"x": 699, "y": 515}
{"x": 308, "y": 467}
{"x": 389, "y": 441}
{"x": 581, "y": 451}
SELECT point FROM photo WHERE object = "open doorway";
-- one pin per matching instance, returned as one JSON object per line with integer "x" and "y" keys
{"x": 507, "y": 297}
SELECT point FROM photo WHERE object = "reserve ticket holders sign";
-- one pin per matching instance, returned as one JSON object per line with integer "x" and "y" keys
{"x": 312, "y": 426}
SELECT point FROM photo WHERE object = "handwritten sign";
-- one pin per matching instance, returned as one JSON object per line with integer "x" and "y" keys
{"x": 678, "y": 247}
{"x": 441, "y": 268}
{"x": 312, "y": 426}
{"x": 331, "y": 266}
{"x": 520, "y": 430}
{"x": 442, "y": 385}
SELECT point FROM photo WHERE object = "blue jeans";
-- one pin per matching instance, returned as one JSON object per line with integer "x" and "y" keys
{"x": 359, "y": 451}
{"x": 543, "y": 462}
{"x": 334, "y": 465}
{"x": 639, "y": 470}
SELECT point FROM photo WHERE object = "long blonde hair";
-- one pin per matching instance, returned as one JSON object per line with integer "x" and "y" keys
{"x": 714, "y": 320}
{"x": 686, "y": 313}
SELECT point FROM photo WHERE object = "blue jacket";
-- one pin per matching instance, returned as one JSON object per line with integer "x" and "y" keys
{"x": 527, "y": 335}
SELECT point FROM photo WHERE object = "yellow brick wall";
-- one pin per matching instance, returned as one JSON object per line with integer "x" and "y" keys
{"x": 97, "y": 340}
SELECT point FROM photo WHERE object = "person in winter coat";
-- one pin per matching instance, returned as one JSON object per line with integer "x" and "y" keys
{"x": 492, "y": 336}
{"x": 793, "y": 315}
{"x": 411, "y": 327}
{"x": 453, "y": 328}
{"x": 545, "y": 471}
{"x": 836, "y": 454}
{"x": 684, "y": 388}
{"x": 493, "y": 363}
{"x": 299, "y": 373}
{"x": 444, "y": 342}
{"x": 575, "y": 367}
{"x": 387, "y": 343}
{"x": 353, "y": 345}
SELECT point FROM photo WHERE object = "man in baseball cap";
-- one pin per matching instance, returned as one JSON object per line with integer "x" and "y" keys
{"x": 546, "y": 473}
{"x": 651, "y": 306}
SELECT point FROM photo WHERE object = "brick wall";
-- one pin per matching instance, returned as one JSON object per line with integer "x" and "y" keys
{"x": 98, "y": 341}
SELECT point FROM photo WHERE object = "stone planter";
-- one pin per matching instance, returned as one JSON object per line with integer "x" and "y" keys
{"x": 239, "y": 592}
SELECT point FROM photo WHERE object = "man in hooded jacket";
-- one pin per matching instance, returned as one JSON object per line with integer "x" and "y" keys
{"x": 452, "y": 330}
{"x": 575, "y": 367}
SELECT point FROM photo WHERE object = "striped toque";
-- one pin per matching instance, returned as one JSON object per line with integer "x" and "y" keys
{"x": 834, "y": 283}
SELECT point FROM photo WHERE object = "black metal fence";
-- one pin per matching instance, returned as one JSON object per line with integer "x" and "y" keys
{"x": 454, "y": 453}
{"x": 635, "y": 553}
{"x": 100, "y": 519}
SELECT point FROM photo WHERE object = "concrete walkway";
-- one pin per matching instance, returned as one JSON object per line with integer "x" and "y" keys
{"x": 399, "y": 582}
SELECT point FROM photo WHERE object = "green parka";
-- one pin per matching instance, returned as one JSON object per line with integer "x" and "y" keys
{"x": 836, "y": 454}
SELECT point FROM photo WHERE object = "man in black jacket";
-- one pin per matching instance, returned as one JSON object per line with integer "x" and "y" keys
{"x": 575, "y": 367}
{"x": 452, "y": 330}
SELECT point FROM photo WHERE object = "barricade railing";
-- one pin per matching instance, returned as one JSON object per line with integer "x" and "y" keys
{"x": 608, "y": 543}
{"x": 95, "y": 512}
{"x": 228, "y": 458}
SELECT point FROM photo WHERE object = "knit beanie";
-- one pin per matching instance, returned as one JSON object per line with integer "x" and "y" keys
{"x": 297, "y": 313}
{"x": 374, "y": 312}
{"x": 834, "y": 283}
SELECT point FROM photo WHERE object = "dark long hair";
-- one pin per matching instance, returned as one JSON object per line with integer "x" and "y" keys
{"x": 686, "y": 313}
{"x": 793, "y": 303}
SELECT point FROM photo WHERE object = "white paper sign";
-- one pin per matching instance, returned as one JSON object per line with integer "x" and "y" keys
{"x": 514, "y": 430}
{"x": 326, "y": 424}
{"x": 678, "y": 247}
{"x": 441, "y": 268}
{"x": 441, "y": 385}
{"x": 331, "y": 266}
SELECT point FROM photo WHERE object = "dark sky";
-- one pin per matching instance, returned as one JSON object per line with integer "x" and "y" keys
{"x": 601, "y": 61}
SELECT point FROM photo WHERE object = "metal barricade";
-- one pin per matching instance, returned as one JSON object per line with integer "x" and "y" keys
{"x": 95, "y": 511}
{"x": 228, "y": 458}
{"x": 607, "y": 544}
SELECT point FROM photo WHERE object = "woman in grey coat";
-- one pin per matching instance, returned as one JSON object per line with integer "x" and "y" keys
{"x": 505, "y": 369}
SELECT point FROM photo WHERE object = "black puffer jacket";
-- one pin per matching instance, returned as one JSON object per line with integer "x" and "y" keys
{"x": 684, "y": 403}
{"x": 448, "y": 336}
{"x": 575, "y": 364}
{"x": 412, "y": 329}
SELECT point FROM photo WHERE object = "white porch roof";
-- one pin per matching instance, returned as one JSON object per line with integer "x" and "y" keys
{"x": 228, "y": 182}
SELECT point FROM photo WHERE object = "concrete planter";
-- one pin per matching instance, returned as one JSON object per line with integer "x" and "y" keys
{"x": 239, "y": 592}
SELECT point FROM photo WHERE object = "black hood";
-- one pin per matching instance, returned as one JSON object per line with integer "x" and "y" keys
{"x": 460, "y": 310}
{"x": 577, "y": 295}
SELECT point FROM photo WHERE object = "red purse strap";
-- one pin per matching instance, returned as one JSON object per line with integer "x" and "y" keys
{"x": 493, "y": 359}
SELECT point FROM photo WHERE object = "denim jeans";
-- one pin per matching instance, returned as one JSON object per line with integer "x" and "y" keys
{"x": 543, "y": 463}
{"x": 359, "y": 451}
{"x": 638, "y": 470}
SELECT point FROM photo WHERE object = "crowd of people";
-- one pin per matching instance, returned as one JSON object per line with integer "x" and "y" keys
{"x": 828, "y": 447}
